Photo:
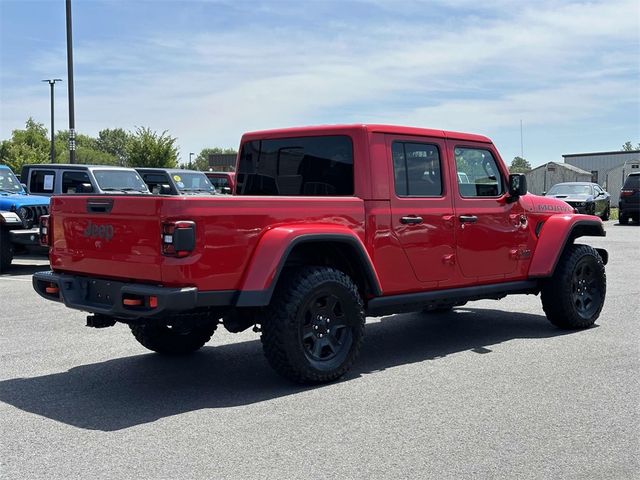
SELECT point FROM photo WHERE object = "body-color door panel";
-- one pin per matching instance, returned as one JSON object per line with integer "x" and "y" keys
{"x": 428, "y": 241}
{"x": 489, "y": 229}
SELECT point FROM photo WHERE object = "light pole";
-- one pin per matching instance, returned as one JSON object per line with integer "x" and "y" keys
{"x": 52, "y": 83}
{"x": 72, "y": 118}
{"x": 191, "y": 154}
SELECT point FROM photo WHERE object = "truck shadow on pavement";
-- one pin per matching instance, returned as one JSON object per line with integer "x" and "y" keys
{"x": 130, "y": 391}
{"x": 21, "y": 269}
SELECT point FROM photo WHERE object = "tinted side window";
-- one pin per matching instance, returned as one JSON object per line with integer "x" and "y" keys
{"x": 416, "y": 169}
{"x": 478, "y": 173}
{"x": 219, "y": 182}
{"x": 41, "y": 181}
{"x": 76, "y": 182}
{"x": 155, "y": 181}
{"x": 311, "y": 166}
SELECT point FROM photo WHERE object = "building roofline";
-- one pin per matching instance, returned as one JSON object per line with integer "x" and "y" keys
{"x": 594, "y": 154}
{"x": 568, "y": 166}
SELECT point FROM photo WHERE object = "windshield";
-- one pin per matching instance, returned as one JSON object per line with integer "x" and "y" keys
{"x": 120, "y": 180}
{"x": 192, "y": 182}
{"x": 8, "y": 182}
{"x": 561, "y": 189}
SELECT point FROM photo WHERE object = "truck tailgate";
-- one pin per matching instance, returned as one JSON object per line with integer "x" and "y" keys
{"x": 109, "y": 236}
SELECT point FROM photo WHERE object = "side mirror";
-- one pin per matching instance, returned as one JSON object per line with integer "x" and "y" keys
{"x": 517, "y": 184}
{"x": 226, "y": 190}
{"x": 165, "y": 189}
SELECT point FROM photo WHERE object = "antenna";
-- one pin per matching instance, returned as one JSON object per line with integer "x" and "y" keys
{"x": 521, "y": 142}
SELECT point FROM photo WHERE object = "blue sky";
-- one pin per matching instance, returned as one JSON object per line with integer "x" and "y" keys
{"x": 207, "y": 71}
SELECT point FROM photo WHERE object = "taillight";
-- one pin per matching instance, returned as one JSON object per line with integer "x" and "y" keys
{"x": 626, "y": 193}
{"x": 45, "y": 231}
{"x": 178, "y": 238}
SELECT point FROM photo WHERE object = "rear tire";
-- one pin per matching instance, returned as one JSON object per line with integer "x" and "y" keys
{"x": 623, "y": 219}
{"x": 573, "y": 298}
{"x": 314, "y": 326}
{"x": 172, "y": 341}
{"x": 6, "y": 250}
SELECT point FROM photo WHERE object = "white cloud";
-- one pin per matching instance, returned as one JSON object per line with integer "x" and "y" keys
{"x": 549, "y": 63}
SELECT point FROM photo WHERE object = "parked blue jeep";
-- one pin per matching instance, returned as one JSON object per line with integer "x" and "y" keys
{"x": 19, "y": 217}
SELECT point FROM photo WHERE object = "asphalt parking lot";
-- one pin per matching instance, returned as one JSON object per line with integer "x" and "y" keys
{"x": 492, "y": 390}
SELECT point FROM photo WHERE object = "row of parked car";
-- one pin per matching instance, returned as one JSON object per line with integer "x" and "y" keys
{"x": 592, "y": 199}
{"x": 24, "y": 201}
{"x": 57, "y": 179}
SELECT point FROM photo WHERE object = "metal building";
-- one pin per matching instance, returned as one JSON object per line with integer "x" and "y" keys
{"x": 616, "y": 177}
{"x": 542, "y": 178}
{"x": 599, "y": 163}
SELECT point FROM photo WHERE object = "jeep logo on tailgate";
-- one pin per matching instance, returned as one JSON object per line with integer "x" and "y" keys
{"x": 98, "y": 231}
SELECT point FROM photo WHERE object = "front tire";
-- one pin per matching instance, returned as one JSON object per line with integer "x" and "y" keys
{"x": 573, "y": 298}
{"x": 606, "y": 214}
{"x": 173, "y": 341}
{"x": 314, "y": 326}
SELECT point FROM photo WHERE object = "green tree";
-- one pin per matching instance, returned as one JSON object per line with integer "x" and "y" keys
{"x": 628, "y": 147}
{"x": 87, "y": 151}
{"x": 202, "y": 160}
{"x": 30, "y": 145}
{"x": 148, "y": 149}
{"x": 519, "y": 165}
{"x": 114, "y": 142}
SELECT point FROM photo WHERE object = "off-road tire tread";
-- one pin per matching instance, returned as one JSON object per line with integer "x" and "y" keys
{"x": 156, "y": 339}
{"x": 556, "y": 292}
{"x": 280, "y": 315}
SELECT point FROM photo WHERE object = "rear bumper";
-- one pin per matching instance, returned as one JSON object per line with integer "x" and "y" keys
{"x": 107, "y": 297}
{"x": 628, "y": 207}
{"x": 29, "y": 237}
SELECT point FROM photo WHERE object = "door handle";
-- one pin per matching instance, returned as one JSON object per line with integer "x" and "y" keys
{"x": 411, "y": 220}
{"x": 468, "y": 218}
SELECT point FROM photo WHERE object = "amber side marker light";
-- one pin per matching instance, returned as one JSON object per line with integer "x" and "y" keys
{"x": 151, "y": 301}
{"x": 132, "y": 302}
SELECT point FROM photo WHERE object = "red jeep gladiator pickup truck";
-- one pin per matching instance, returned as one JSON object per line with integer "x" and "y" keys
{"x": 328, "y": 224}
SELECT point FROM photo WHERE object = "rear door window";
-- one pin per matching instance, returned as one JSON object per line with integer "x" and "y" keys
{"x": 417, "y": 170}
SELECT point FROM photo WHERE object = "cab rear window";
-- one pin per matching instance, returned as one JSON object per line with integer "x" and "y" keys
{"x": 306, "y": 166}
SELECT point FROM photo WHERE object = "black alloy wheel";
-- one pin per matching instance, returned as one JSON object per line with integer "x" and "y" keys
{"x": 325, "y": 333}
{"x": 584, "y": 292}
